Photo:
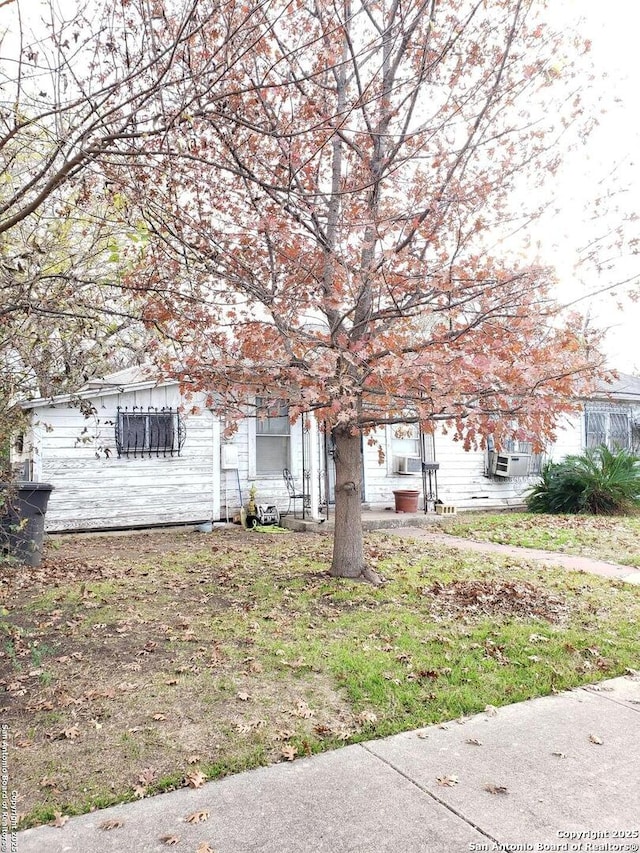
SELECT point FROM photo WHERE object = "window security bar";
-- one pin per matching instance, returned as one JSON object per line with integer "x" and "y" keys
{"x": 149, "y": 432}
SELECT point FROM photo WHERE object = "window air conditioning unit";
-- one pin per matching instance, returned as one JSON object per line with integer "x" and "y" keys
{"x": 407, "y": 465}
{"x": 511, "y": 464}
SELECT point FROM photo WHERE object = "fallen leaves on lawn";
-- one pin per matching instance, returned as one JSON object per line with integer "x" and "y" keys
{"x": 197, "y": 817}
{"x": 366, "y": 718}
{"x": 70, "y": 733}
{"x": 147, "y": 776}
{"x": 243, "y": 696}
{"x": 490, "y": 597}
{"x": 302, "y": 710}
{"x": 289, "y": 752}
{"x": 59, "y": 819}
{"x": 196, "y": 779}
{"x": 282, "y": 734}
{"x": 538, "y": 638}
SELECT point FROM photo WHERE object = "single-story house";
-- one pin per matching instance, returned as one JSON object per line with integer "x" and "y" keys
{"x": 126, "y": 452}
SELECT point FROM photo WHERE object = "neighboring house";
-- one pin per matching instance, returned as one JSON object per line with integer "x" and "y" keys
{"x": 127, "y": 451}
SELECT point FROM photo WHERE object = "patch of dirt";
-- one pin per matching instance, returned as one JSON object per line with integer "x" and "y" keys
{"x": 498, "y": 598}
{"x": 115, "y": 670}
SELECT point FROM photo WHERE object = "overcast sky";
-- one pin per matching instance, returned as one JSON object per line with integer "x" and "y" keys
{"x": 610, "y": 160}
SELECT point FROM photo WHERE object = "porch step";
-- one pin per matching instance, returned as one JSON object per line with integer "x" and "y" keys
{"x": 371, "y": 520}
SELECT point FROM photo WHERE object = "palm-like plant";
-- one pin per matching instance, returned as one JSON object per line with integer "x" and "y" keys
{"x": 599, "y": 481}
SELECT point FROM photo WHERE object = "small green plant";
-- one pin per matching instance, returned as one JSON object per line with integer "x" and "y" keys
{"x": 38, "y": 652}
{"x": 598, "y": 482}
{"x": 10, "y": 651}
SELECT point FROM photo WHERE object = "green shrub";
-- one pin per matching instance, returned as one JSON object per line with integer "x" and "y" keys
{"x": 598, "y": 482}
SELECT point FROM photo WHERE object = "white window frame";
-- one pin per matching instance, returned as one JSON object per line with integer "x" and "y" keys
{"x": 395, "y": 448}
{"x": 255, "y": 436}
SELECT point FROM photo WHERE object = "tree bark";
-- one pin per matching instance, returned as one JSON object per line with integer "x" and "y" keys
{"x": 348, "y": 544}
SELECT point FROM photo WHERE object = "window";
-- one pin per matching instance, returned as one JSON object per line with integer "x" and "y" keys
{"x": 610, "y": 425}
{"x": 154, "y": 432}
{"x": 408, "y": 440}
{"x": 272, "y": 437}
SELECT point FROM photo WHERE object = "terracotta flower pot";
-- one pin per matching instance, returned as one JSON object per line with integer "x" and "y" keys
{"x": 406, "y": 500}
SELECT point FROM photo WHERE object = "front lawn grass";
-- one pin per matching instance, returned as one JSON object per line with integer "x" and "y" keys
{"x": 133, "y": 665}
{"x": 611, "y": 538}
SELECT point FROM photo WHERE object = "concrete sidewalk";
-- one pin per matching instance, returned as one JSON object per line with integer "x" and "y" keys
{"x": 561, "y": 771}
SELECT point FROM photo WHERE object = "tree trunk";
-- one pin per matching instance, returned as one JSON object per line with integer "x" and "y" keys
{"x": 348, "y": 546}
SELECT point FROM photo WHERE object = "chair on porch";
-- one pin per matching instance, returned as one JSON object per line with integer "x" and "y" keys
{"x": 294, "y": 494}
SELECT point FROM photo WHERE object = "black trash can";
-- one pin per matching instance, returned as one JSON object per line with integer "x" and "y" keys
{"x": 22, "y": 509}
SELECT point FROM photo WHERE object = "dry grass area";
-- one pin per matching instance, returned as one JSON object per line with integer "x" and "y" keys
{"x": 132, "y": 664}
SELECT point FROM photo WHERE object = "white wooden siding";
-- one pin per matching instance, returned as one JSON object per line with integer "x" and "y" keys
{"x": 235, "y": 485}
{"x": 461, "y": 477}
{"x": 94, "y": 489}
{"x": 570, "y": 438}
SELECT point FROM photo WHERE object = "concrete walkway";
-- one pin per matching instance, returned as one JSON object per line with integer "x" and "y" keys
{"x": 555, "y": 773}
{"x": 551, "y": 558}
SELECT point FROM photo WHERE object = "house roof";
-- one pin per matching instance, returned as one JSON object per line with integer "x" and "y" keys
{"x": 625, "y": 387}
{"x": 131, "y": 379}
